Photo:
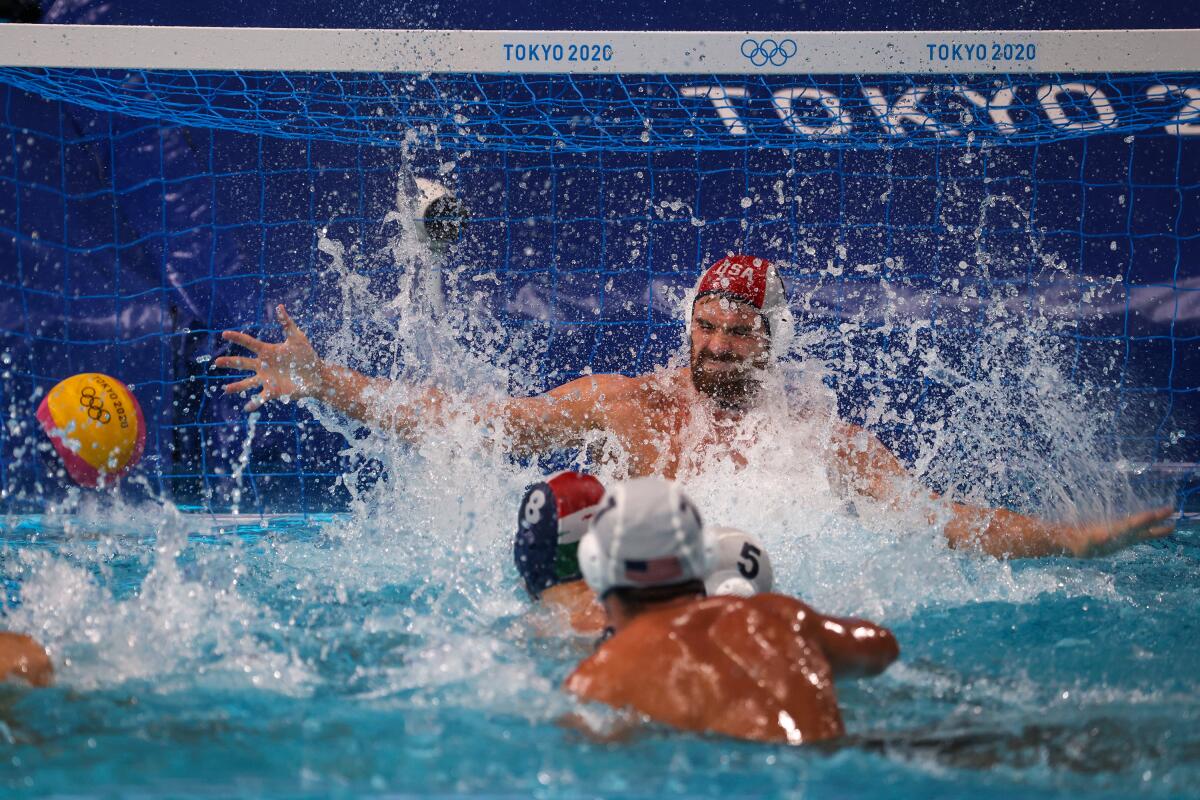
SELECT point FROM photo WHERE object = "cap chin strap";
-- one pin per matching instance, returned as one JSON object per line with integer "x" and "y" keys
{"x": 595, "y": 564}
{"x": 608, "y": 632}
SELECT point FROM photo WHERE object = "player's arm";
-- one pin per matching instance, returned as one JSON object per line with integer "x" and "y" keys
{"x": 23, "y": 658}
{"x": 575, "y": 602}
{"x": 292, "y": 369}
{"x": 855, "y": 648}
{"x": 871, "y": 469}
{"x": 564, "y": 416}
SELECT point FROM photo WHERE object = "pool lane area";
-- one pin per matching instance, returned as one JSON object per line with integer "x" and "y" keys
{"x": 210, "y": 656}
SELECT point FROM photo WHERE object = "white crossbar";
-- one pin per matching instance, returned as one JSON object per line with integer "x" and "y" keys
{"x": 584, "y": 52}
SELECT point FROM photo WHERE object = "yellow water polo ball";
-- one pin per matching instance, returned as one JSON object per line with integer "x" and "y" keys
{"x": 96, "y": 425}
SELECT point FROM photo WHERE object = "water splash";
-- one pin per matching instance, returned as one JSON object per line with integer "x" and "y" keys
{"x": 427, "y": 550}
{"x": 120, "y": 601}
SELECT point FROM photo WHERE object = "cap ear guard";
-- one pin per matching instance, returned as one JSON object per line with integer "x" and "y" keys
{"x": 726, "y": 584}
{"x": 535, "y": 547}
{"x": 593, "y": 562}
{"x": 783, "y": 325}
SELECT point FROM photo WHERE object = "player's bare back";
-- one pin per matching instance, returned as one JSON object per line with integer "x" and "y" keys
{"x": 758, "y": 668}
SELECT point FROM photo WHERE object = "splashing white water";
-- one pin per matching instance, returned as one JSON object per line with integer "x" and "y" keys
{"x": 183, "y": 624}
{"x": 441, "y": 524}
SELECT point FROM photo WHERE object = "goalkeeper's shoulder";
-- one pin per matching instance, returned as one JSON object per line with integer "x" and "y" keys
{"x": 588, "y": 402}
{"x": 597, "y": 388}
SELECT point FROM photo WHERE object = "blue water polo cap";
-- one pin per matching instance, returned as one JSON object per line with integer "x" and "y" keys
{"x": 553, "y": 516}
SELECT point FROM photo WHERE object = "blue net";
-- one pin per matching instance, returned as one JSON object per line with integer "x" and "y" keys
{"x": 143, "y": 212}
{"x": 643, "y": 113}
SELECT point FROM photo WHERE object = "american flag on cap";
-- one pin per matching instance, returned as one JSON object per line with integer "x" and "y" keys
{"x": 654, "y": 571}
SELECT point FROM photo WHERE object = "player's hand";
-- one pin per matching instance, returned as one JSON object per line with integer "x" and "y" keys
{"x": 290, "y": 368}
{"x": 1101, "y": 538}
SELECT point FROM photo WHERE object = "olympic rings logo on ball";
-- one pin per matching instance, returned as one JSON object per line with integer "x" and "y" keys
{"x": 769, "y": 51}
{"x": 94, "y": 404}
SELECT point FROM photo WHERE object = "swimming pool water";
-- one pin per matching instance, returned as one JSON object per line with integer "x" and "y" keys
{"x": 219, "y": 657}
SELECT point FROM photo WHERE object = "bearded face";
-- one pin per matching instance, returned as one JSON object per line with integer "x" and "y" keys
{"x": 728, "y": 351}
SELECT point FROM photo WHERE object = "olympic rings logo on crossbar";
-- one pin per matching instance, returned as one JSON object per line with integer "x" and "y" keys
{"x": 769, "y": 51}
{"x": 95, "y": 405}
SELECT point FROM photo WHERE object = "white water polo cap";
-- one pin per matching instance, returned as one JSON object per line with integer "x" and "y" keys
{"x": 742, "y": 568}
{"x": 647, "y": 533}
{"x": 755, "y": 282}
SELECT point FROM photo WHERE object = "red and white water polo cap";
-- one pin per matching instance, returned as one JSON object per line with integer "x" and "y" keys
{"x": 647, "y": 533}
{"x": 756, "y": 282}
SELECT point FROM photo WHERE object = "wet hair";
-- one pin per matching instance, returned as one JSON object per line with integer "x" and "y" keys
{"x": 636, "y": 600}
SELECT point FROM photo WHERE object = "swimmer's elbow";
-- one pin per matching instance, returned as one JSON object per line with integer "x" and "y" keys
{"x": 874, "y": 650}
{"x": 887, "y": 651}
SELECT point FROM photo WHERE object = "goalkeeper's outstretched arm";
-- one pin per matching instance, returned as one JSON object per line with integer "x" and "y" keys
{"x": 291, "y": 369}
{"x": 869, "y": 468}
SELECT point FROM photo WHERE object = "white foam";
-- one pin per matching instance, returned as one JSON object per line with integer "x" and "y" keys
{"x": 178, "y": 624}
{"x": 442, "y": 524}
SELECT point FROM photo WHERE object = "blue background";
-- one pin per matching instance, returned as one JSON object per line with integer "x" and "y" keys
{"x": 114, "y": 274}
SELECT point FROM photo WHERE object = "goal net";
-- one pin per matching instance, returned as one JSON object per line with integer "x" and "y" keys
{"x": 988, "y": 233}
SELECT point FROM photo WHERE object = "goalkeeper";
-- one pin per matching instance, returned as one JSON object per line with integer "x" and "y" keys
{"x": 672, "y": 422}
